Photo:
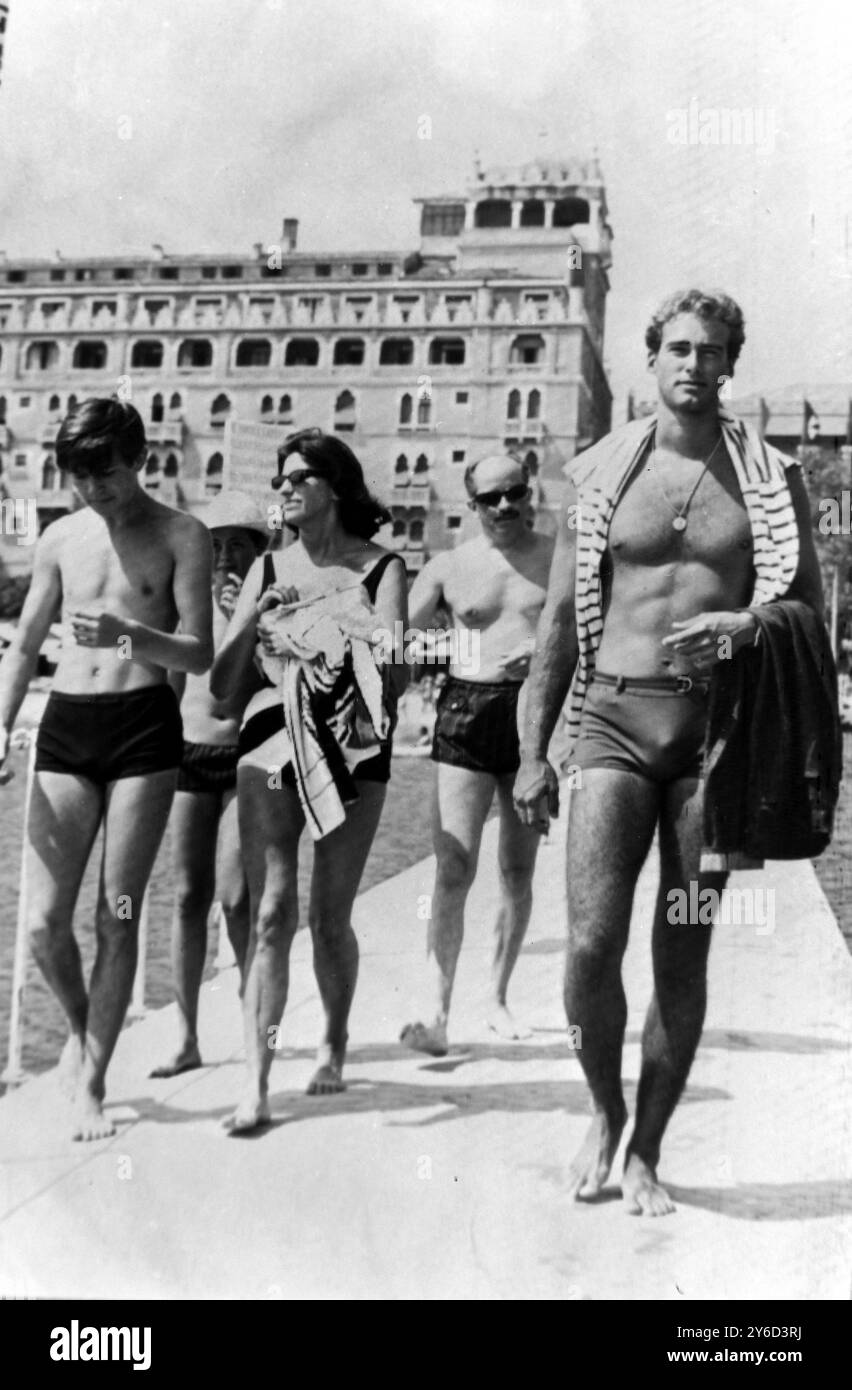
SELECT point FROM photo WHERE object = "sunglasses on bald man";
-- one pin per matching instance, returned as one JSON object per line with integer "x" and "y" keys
{"x": 517, "y": 493}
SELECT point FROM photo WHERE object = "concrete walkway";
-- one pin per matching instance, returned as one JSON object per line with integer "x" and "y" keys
{"x": 444, "y": 1179}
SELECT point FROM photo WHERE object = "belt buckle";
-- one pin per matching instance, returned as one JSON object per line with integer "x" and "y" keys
{"x": 684, "y": 684}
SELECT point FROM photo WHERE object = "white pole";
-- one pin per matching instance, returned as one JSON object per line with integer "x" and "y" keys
{"x": 14, "y": 1074}
{"x": 137, "y": 1002}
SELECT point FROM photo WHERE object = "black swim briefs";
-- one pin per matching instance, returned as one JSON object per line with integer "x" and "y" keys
{"x": 476, "y": 726}
{"x": 208, "y": 767}
{"x": 107, "y": 737}
{"x": 652, "y": 728}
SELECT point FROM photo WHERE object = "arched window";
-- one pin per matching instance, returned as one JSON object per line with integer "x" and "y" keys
{"x": 170, "y": 469}
{"x": 175, "y": 402}
{"x": 532, "y": 213}
{"x": 147, "y": 354}
{"x": 531, "y": 460}
{"x": 570, "y": 211}
{"x": 344, "y": 412}
{"x": 90, "y": 356}
{"x": 493, "y": 212}
{"x": 285, "y": 410}
{"x": 253, "y": 352}
{"x": 396, "y": 352}
{"x": 513, "y": 408}
{"x": 399, "y": 530}
{"x": 220, "y": 410}
{"x": 415, "y": 530}
{"x": 405, "y": 409}
{"x": 54, "y": 404}
{"x": 421, "y": 471}
{"x": 195, "y": 353}
{"x": 157, "y": 409}
{"x": 2, "y": 410}
{"x": 213, "y": 475}
{"x": 349, "y": 352}
{"x": 302, "y": 352}
{"x": 152, "y": 471}
{"x": 48, "y": 474}
{"x": 267, "y": 405}
{"x": 527, "y": 350}
{"x": 534, "y": 405}
{"x": 42, "y": 356}
{"x": 401, "y": 476}
{"x": 446, "y": 352}
{"x": 72, "y": 402}
{"x": 424, "y": 409}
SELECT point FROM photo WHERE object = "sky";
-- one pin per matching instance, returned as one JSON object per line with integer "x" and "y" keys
{"x": 200, "y": 124}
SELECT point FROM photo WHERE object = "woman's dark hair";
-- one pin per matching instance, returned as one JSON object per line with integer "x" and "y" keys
{"x": 361, "y": 514}
{"x": 93, "y": 429}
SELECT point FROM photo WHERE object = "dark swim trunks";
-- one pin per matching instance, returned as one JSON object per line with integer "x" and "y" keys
{"x": 476, "y": 726}
{"x": 107, "y": 737}
{"x": 208, "y": 767}
{"x": 653, "y": 728}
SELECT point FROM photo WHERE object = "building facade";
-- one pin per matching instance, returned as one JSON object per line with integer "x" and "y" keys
{"x": 489, "y": 336}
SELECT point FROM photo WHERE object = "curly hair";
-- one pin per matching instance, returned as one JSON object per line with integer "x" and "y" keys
{"x": 93, "y": 429}
{"x": 706, "y": 305}
{"x": 361, "y": 514}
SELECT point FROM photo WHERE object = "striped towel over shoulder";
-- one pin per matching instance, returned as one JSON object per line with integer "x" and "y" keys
{"x": 602, "y": 473}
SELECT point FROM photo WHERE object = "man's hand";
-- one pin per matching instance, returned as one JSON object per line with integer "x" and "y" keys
{"x": 97, "y": 629}
{"x": 536, "y": 793}
{"x": 711, "y": 637}
{"x": 516, "y": 664}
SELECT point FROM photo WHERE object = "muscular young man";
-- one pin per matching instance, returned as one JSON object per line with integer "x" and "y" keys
{"x": 494, "y": 588}
{"x": 123, "y": 572}
{"x": 672, "y": 527}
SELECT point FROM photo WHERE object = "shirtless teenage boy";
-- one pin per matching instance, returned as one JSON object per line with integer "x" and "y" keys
{"x": 206, "y": 839}
{"x": 494, "y": 587}
{"x": 123, "y": 571}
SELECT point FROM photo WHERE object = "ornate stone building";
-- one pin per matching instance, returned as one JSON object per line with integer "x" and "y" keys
{"x": 490, "y": 335}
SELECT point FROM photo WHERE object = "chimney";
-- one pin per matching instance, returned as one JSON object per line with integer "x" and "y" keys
{"x": 290, "y": 233}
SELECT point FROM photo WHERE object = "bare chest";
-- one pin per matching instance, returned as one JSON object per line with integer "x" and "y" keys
{"x": 479, "y": 595}
{"x": 133, "y": 573}
{"x": 668, "y": 516}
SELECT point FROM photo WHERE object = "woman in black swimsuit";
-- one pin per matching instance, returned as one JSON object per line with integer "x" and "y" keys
{"x": 325, "y": 501}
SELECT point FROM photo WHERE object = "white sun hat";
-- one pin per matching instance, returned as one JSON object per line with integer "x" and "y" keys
{"x": 236, "y": 509}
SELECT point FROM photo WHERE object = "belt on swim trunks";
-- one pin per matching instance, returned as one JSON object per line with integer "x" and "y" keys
{"x": 662, "y": 685}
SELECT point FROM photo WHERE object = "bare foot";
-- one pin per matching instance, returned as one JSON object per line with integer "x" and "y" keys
{"x": 642, "y": 1194}
{"x": 589, "y": 1169}
{"x": 70, "y": 1066}
{"x": 186, "y": 1060}
{"x": 326, "y": 1081}
{"x": 251, "y": 1113}
{"x": 90, "y": 1122}
{"x": 501, "y": 1022}
{"x": 422, "y": 1039}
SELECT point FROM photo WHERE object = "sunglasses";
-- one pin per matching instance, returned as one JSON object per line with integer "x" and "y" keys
{"x": 511, "y": 494}
{"x": 297, "y": 478}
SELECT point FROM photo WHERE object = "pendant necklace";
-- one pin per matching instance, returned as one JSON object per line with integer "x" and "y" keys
{"x": 679, "y": 520}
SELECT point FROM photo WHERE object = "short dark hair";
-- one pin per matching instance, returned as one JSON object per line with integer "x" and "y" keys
{"x": 93, "y": 429}
{"x": 705, "y": 304}
{"x": 469, "y": 472}
{"x": 361, "y": 514}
